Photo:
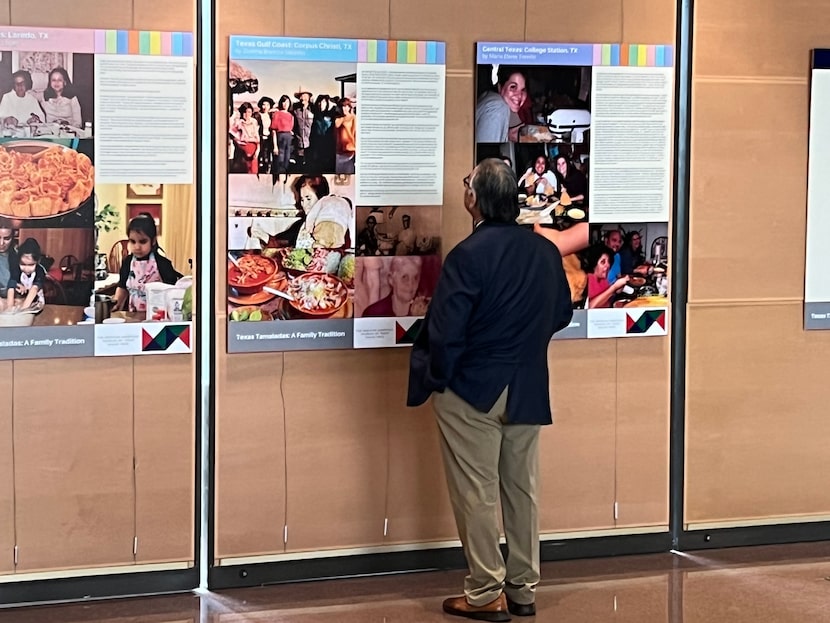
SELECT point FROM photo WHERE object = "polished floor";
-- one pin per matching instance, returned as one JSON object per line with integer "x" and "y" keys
{"x": 778, "y": 584}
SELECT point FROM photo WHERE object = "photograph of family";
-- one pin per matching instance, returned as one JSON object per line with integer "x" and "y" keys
{"x": 624, "y": 265}
{"x": 46, "y": 94}
{"x": 291, "y": 117}
{"x": 398, "y": 231}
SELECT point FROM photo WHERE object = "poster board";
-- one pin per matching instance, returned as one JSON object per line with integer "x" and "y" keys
{"x": 817, "y": 277}
{"x": 587, "y": 129}
{"x": 335, "y": 182}
{"x": 85, "y": 114}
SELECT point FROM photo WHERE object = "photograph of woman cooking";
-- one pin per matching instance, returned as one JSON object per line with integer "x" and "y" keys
{"x": 43, "y": 280}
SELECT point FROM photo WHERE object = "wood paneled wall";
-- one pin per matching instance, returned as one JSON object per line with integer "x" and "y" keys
{"x": 70, "y": 429}
{"x": 757, "y": 393}
{"x": 322, "y": 441}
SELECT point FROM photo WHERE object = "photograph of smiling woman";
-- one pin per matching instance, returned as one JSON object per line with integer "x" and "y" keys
{"x": 497, "y": 111}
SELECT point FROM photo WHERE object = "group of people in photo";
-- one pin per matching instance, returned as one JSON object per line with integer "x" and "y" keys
{"x": 59, "y": 103}
{"x": 291, "y": 135}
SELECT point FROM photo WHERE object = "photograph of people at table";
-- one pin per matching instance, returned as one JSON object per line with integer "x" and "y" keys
{"x": 46, "y": 94}
{"x": 411, "y": 230}
{"x": 626, "y": 265}
{"x": 288, "y": 118}
{"x": 395, "y": 287}
{"x": 144, "y": 256}
{"x": 46, "y": 274}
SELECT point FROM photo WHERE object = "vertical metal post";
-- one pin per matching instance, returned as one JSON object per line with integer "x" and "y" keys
{"x": 206, "y": 330}
{"x": 680, "y": 264}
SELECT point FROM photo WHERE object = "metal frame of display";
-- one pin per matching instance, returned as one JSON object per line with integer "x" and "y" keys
{"x": 141, "y": 583}
{"x": 682, "y": 538}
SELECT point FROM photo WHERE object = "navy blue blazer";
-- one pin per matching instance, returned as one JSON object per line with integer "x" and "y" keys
{"x": 501, "y": 296}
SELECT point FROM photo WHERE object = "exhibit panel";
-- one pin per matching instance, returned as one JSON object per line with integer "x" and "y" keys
{"x": 103, "y": 450}
{"x": 755, "y": 395}
{"x": 344, "y": 417}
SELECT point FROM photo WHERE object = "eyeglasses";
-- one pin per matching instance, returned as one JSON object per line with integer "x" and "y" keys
{"x": 466, "y": 181}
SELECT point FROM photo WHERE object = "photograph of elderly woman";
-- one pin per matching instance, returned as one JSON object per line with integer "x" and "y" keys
{"x": 46, "y": 94}
{"x": 291, "y": 117}
{"x": 395, "y": 287}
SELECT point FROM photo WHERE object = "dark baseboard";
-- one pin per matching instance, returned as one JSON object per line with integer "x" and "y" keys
{"x": 98, "y": 587}
{"x": 258, "y": 574}
{"x": 754, "y": 535}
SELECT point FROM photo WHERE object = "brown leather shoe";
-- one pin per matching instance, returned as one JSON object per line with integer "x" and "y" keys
{"x": 496, "y": 610}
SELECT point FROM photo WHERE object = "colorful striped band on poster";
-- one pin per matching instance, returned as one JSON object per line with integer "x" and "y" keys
{"x": 144, "y": 42}
{"x": 248, "y": 47}
{"x": 401, "y": 52}
{"x": 584, "y": 54}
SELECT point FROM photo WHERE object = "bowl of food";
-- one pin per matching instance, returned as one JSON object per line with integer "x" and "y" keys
{"x": 637, "y": 281}
{"x": 250, "y": 272}
{"x": 317, "y": 295}
{"x": 250, "y": 313}
{"x": 39, "y": 179}
{"x": 298, "y": 261}
{"x": 17, "y": 318}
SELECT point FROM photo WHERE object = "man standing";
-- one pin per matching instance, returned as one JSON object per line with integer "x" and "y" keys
{"x": 406, "y": 237}
{"x": 482, "y": 351}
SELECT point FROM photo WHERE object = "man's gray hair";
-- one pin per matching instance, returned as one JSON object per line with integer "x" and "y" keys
{"x": 496, "y": 191}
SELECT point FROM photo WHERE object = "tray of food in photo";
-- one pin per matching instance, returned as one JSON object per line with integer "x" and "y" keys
{"x": 535, "y": 202}
{"x": 649, "y": 301}
{"x": 40, "y": 180}
{"x": 317, "y": 295}
{"x": 298, "y": 261}
{"x": 278, "y": 281}
{"x": 250, "y": 313}
{"x": 250, "y": 272}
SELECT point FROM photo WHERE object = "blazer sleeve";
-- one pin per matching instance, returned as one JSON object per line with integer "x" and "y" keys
{"x": 564, "y": 306}
{"x": 445, "y": 333}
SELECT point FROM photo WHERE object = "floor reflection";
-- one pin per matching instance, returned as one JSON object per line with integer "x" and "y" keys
{"x": 779, "y": 584}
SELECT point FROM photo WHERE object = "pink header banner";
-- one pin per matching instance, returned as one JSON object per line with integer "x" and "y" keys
{"x": 47, "y": 39}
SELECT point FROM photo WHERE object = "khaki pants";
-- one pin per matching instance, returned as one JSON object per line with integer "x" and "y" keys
{"x": 482, "y": 458}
